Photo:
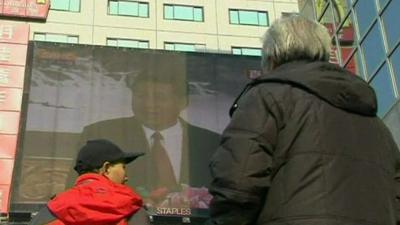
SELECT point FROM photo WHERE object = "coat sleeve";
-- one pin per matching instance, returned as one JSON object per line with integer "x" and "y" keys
{"x": 241, "y": 166}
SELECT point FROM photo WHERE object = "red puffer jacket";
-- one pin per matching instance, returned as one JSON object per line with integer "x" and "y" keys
{"x": 95, "y": 200}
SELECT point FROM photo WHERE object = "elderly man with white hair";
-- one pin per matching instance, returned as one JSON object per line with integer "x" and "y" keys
{"x": 304, "y": 145}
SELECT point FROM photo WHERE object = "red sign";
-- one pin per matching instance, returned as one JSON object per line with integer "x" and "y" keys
{"x": 14, "y": 33}
{"x": 13, "y": 54}
{"x": 4, "y": 197}
{"x": 8, "y": 146}
{"x": 10, "y": 99}
{"x": 346, "y": 35}
{"x": 12, "y": 76}
{"x": 36, "y": 9}
{"x": 13, "y": 50}
{"x": 6, "y": 168}
{"x": 9, "y": 122}
{"x": 352, "y": 64}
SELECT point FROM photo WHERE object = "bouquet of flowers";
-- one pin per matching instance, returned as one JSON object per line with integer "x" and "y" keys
{"x": 186, "y": 197}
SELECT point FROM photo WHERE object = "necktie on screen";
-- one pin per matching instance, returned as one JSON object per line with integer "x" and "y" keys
{"x": 162, "y": 164}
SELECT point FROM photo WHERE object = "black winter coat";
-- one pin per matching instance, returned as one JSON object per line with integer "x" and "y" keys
{"x": 305, "y": 146}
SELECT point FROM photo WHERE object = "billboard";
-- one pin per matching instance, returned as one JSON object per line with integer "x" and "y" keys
{"x": 140, "y": 100}
{"x": 35, "y": 9}
{"x": 13, "y": 49}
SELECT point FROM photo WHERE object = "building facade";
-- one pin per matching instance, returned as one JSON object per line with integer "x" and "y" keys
{"x": 366, "y": 40}
{"x": 218, "y": 26}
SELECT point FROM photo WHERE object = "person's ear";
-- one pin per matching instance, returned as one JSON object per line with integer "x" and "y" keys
{"x": 105, "y": 168}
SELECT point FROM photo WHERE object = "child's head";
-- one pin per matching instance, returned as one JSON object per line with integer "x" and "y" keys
{"x": 104, "y": 157}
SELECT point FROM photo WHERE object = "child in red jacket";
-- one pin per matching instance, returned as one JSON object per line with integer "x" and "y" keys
{"x": 99, "y": 196}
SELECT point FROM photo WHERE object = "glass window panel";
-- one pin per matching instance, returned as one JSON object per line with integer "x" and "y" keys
{"x": 234, "y": 16}
{"x": 353, "y": 63}
{"x": 56, "y": 38}
{"x": 366, "y": 12}
{"x": 75, "y": 5}
{"x": 198, "y": 14}
{"x": 251, "y": 51}
{"x": 320, "y": 5}
{"x": 112, "y": 42}
{"x": 248, "y": 17}
{"x": 39, "y": 37}
{"x": 60, "y": 4}
{"x": 185, "y": 47}
{"x": 328, "y": 21}
{"x": 262, "y": 19}
{"x": 246, "y": 51}
{"x": 128, "y": 8}
{"x": 340, "y": 10}
{"x": 360, "y": 65}
{"x": 307, "y": 9}
{"x": 199, "y": 48}
{"x": 346, "y": 53}
{"x": 183, "y": 12}
{"x": 143, "y": 10}
{"x": 346, "y": 34}
{"x": 391, "y": 22}
{"x": 382, "y": 84}
{"x": 143, "y": 44}
{"x": 349, "y": 2}
{"x": 127, "y": 43}
{"x": 373, "y": 49}
{"x": 168, "y": 12}
{"x": 72, "y": 39}
{"x": 346, "y": 40}
{"x": 113, "y": 8}
{"x": 168, "y": 46}
{"x": 236, "y": 51}
{"x": 382, "y": 3}
{"x": 395, "y": 60}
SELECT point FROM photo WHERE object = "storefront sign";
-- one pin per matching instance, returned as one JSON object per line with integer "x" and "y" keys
{"x": 36, "y": 9}
{"x": 13, "y": 51}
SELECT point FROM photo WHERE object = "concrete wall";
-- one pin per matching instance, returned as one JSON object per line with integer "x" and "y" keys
{"x": 93, "y": 25}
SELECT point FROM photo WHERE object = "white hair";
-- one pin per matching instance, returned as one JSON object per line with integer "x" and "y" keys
{"x": 295, "y": 38}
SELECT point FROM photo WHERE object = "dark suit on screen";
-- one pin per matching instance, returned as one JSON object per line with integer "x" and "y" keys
{"x": 197, "y": 148}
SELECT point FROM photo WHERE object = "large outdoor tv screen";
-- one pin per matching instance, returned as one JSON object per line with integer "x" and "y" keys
{"x": 172, "y": 106}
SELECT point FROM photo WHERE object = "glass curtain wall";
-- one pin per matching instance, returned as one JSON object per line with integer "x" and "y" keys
{"x": 365, "y": 40}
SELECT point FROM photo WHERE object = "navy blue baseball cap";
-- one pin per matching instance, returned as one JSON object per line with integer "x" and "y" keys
{"x": 96, "y": 152}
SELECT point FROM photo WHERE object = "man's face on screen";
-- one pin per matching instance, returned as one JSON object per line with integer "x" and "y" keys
{"x": 156, "y": 104}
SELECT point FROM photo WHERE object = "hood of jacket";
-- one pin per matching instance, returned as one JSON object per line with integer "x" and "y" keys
{"x": 329, "y": 82}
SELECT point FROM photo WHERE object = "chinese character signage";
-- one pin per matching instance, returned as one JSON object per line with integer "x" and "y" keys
{"x": 13, "y": 50}
{"x": 36, "y": 9}
{"x": 11, "y": 76}
{"x": 10, "y": 99}
{"x": 8, "y": 145}
{"x": 13, "y": 54}
{"x": 13, "y": 34}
